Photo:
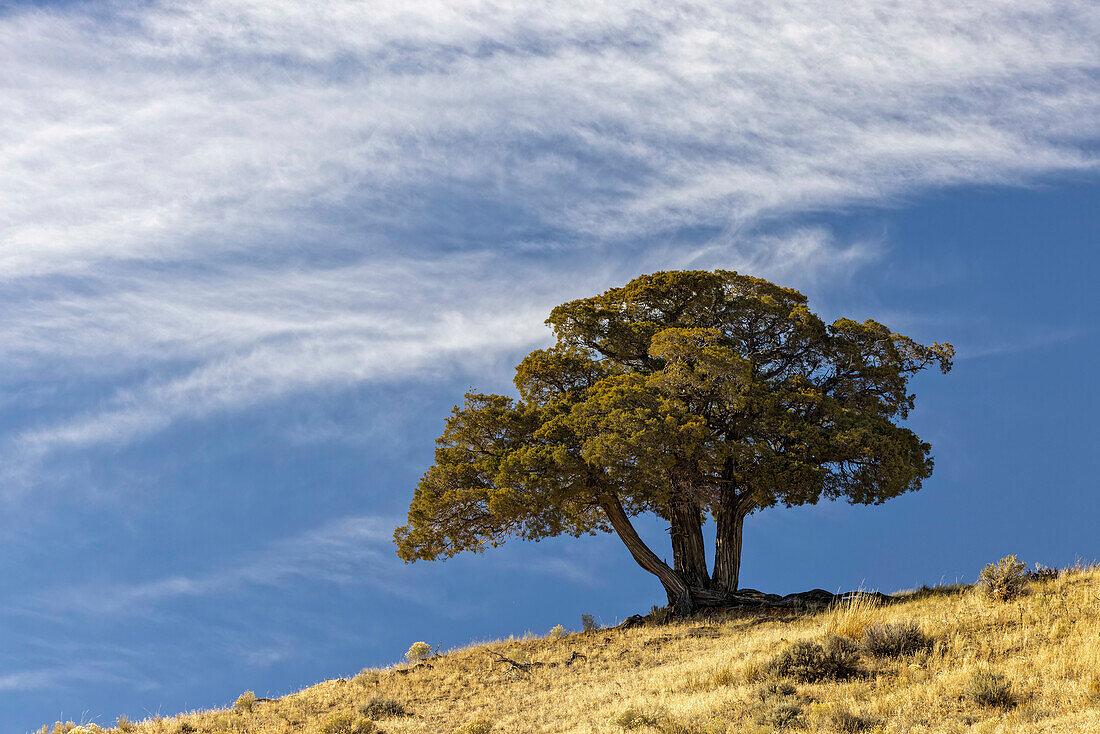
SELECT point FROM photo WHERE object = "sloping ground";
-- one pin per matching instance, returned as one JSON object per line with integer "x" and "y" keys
{"x": 719, "y": 675}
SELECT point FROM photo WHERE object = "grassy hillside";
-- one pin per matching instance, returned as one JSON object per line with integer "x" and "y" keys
{"x": 1030, "y": 663}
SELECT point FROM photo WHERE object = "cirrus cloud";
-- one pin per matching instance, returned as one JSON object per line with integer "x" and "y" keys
{"x": 208, "y": 205}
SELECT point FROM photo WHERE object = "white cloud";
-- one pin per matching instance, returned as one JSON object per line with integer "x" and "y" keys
{"x": 209, "y": 204}
{"x": 38, "y": 679}
{"x": 350, "y": 550}
{"x": 1026, "y": 341}
{"x": 152, "y": 131}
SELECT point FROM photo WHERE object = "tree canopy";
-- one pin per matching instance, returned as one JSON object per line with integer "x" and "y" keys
{"x": 684, "y": 394}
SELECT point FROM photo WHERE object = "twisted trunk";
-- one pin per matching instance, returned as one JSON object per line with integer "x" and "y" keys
{"x": 678, "y": 592}
{"x": 689, "y": 556}
{"x": 688, "y": 585}
{"x": 727, "y": 551}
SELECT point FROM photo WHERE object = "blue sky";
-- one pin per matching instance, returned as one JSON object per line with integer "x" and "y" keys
{"x": 252, "y": 252}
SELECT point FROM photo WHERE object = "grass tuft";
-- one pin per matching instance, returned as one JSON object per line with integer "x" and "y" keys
{"x": 851, "y": 618}
{"x": 895, "y": 640}
{"x": 475, "y": 726}
{"x": 987, "y": 688}
{"x": 343, "y": 722}
{"x": 634, "y": 718}
{"x": 381, "y": 708}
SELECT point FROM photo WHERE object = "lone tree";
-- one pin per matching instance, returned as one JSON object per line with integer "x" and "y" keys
{"x": 683, "y": 394}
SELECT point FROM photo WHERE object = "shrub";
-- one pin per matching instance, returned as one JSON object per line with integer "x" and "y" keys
{"x": 772, "y": 689}
{"x": 245, "y": 702}
{"x": 186, "y": 727}
{"x": 345, "y": 723}
{"x": 589, "y": 623}
{"x": 60, "y": 727}
{"x": 632, "y": 718}
{"x": 809, "y": 661}
{"x": 1092, "y": 690}
{"x": 780, "y": 712}
{"x": 418, "y": 651}
{"x": 843, "y": 720}
{"x": 777, "y": 706}
{"x": 1042, "y": 573}
{"x": 367, "y": 676}
{"x": 381, "y": 708}
{"x": 990, "y": 689}
{"x": 122, "y": 723}
{"x": 557, "y": 632}
{"x": 895, "y": 640}
{"x": 475, "y": 726}
{"x": 1004, "y": 579}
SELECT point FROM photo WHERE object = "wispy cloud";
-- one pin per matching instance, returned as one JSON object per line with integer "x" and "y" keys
{"x": 351, "y": 550}
{"x": 204, "y": 126}
{"x": 230, "y": 339}
{"x": 1024, "y": 342}
{"x": 208, "y": 205}
{"x": 53, "y": 677}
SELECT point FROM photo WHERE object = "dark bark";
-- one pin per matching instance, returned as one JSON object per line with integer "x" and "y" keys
{"x": 689, "y": 556}
{"x": 688, "y": 585}
{"x": 727, "y": 551}
{"x": 679, "y": 595}
{"x": 730, "y": 522}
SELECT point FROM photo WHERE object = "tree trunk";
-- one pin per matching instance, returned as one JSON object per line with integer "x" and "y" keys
{"x": 678, "y": 592}
{"x": 727, "y": 547}
{"x": 689, "y": 555}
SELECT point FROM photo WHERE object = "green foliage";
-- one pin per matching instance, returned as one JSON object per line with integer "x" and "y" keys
{"x": 557, "y": 632}
{"x": 418, "y": 651}
{"x": 381, "y": 708}
{"x": 475, "y": 726}
{"x": 895, "y": 640}
{"x": 343, "y": 722}
{"x": 681, "y": 394}
{"x": 589, "y": 623}
{"x": 987, "y": 688}
{"x": 809, "y": 662}
{"x": 1004, "y": 579}
{"x": 245, "y": 702}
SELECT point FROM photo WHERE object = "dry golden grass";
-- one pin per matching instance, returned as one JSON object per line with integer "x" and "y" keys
{"x": 712, "y": 677}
